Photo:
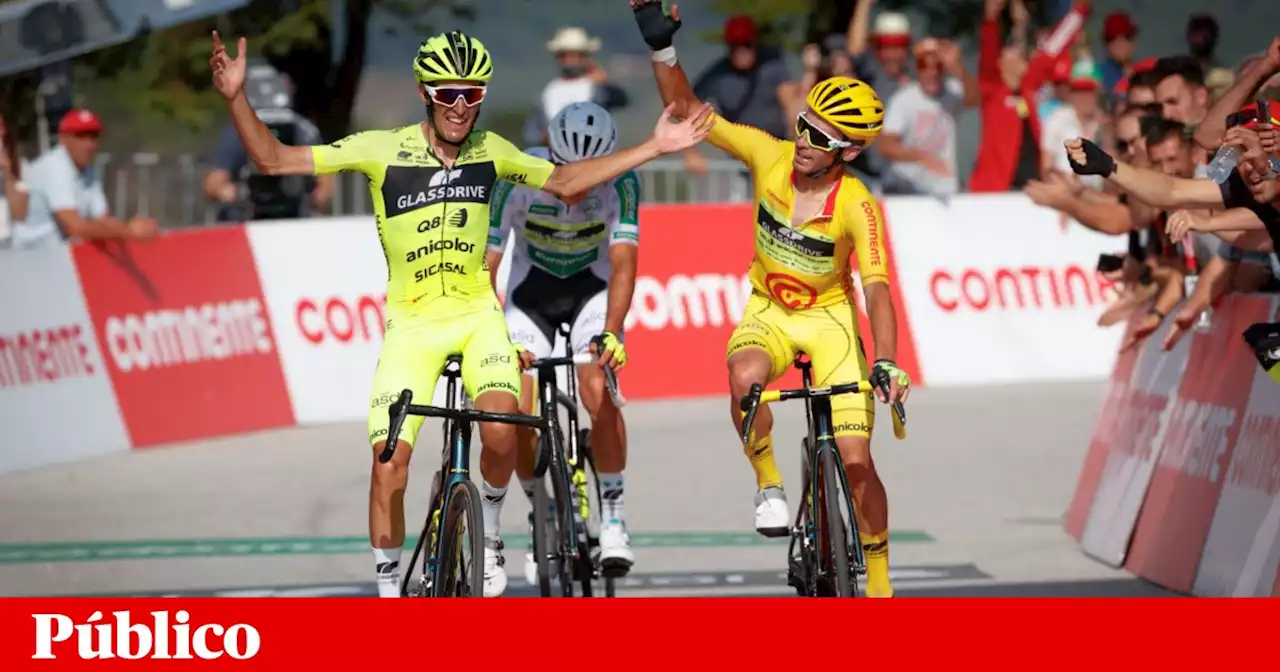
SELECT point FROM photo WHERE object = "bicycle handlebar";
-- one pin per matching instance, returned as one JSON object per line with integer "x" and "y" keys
{"x": 758, "y": 395}
{"x": 580, "y": 359}
{"x": 403, "y": 406}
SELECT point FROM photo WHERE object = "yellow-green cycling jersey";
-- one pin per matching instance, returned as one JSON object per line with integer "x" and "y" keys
{"x": 433, "y": 221}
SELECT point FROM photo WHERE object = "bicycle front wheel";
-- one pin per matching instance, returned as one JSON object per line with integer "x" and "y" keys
{"x": 461, "y": 572}
{"x": 835, "y": 539}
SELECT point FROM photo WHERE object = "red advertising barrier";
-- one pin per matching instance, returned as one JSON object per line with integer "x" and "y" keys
{"x": 690, "y": 292}
{"x": 1200, "y": 436}
{"x": 185, "y": 335}
{"x": 1202, "y": 526}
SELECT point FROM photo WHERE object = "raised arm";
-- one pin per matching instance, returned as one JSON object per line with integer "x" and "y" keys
{"x": 658, "y": 30}
{"x": 1149, "y": 186}
{"x": 271, "y": 156}
{"x": 859, "y": 26}
{"x": 1210, "y": 131}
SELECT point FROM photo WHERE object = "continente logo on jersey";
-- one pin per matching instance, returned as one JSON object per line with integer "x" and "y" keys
{"x": 409, "y": 188}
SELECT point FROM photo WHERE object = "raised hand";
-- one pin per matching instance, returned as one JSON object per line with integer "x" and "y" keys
{"x": 656, "y": 27}
{"x": 228, "y": 73}
{"x": 673, "y": 135}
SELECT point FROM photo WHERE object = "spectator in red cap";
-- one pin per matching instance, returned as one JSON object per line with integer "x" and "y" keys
{"x": 67, "y": 200}
{"x": 885, "y": 65}
{"x": 745, "y": 85}
{"x": 1139, "y": 88}
{"x": 1009, "y": 155}
{"x": 1118, "y": 32}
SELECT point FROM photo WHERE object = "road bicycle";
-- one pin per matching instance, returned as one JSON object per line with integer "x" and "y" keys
{"x": 451, "y": 567}
{"x": 824, "y": 557}
{"x": 566, "y": 542}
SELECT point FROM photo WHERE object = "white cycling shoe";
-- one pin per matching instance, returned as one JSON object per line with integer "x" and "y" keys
{"x": 495, "y": 577}
{"x": 615, "y": 548}
{"x": 773, "y": 518}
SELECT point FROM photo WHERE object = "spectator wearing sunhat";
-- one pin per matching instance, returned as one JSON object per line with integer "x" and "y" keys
{"x": 581, "y": 79}
{"x": 1119, "y": 32}
{"x": 67, "y": 200}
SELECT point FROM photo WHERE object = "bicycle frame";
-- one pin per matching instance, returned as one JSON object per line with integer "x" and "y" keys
{"x": 455, "y": 458}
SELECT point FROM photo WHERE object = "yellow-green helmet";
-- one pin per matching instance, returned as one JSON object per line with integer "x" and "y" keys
{"x": 453, "y": 56}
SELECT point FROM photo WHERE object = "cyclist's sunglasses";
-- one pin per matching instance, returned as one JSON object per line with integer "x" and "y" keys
{"x": 448, "y": 95}
{"x": 816, "y": 137}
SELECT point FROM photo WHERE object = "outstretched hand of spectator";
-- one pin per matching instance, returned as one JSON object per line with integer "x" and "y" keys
{"x": 1088, "y": 158}
{"x": 142, "y": 228}
{"x": 1184, "y": 222}
{"x": 228, "y": 73}
{"x": 1142, "y": 328}
{"x": 1183, "y": 320}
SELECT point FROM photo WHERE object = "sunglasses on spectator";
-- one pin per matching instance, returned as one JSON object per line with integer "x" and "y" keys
{"x": 448, "y": 95}
{"x": 816, "y": 137}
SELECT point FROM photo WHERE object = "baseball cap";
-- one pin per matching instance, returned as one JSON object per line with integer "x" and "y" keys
{"x": 1118, "y": 24}
{"x": 80, "y": 121}
{"x": 1248, "y": 115}
{"x": 1122, "y": 86}
{"x": 740, "y": 29}
{"x": 1085, "y": 76}
{"x": 892, "y": 29}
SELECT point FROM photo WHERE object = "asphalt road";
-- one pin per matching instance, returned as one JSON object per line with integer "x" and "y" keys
{"x": 977, "y": 494}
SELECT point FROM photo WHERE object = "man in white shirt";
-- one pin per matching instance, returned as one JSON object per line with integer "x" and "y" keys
{"x": 581, "y": 80}
{"x": 67, "y": 200}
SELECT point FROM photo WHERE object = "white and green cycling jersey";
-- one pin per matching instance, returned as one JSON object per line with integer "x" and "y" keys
{"x": 563, "y": 240}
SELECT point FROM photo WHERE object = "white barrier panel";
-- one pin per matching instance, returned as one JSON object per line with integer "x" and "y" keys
{"x": 1242, "y": 552}
{"x": 996, "y": 275}
{"x": 56, "y": 400}
{"x": 325, "y": 283}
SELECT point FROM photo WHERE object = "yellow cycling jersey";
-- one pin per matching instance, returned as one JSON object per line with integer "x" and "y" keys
{"x": 805, "y": 266}
{"x": 433, "y": 221}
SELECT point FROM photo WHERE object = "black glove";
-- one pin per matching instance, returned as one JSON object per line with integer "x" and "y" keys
{"x": 1096, "y": 161}
{"x": 656, "y": 27}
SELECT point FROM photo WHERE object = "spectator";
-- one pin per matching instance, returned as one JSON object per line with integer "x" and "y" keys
{"x": 13, "y": 191}
{"x": 817, "y": 67}
{"x": 746, "y": 85}
{"x": 1180, "y": 89}
{"x": 1140, "y": 87}
{"x": 884, "y": 66}
{"x": 67, "y": 200}
{"x": 919, "y": 136}
{"x": 1118, "y": 32}
{"x": 1009, "y": 155}
{"x": 268, "y": 197}
{"x": 1058, "y": 89}
{"x": 1080, "y": 117}
{"x": 581, "y": 80}
{"x": 1202, "y": 40}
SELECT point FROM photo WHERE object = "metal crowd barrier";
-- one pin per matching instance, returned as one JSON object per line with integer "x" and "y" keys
{"x": 171, "y": 189}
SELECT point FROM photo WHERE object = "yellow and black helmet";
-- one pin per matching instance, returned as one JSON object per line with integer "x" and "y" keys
{"x": 850, "y": 105}
{"x": 453, "y": 56}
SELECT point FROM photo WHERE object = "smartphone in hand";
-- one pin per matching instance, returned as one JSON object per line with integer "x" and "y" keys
{"x": 1109, "y": 262}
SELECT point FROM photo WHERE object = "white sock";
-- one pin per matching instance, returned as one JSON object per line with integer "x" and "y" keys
{"x": 611, "y": 498}
{"x": 386, "y": 563}
{"x": 527, "y": 486}
{"x": 491, "y": 499}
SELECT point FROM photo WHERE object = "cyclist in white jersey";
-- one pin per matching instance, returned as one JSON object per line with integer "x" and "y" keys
{"x": 574, "y": 262}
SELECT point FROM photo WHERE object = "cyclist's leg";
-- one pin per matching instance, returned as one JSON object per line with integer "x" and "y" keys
{"x": 608, "y": 434}
{"x": 412, "y": 357}
{"x": 759, "y": 353}
{"x": 491, "y": 376}
{"x": 831, "y": 339}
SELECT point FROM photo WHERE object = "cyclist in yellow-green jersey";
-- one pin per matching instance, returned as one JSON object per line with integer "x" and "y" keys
{"x": 430, "y": 184}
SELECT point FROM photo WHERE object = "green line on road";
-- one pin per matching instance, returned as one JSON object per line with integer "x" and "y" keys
{"x": 12, "y": 554}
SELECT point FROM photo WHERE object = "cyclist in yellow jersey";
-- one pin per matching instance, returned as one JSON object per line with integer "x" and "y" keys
{"x": 430, "y": 185}
{"x": 810, "y": 216}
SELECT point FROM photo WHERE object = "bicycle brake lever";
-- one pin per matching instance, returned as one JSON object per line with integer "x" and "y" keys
{"x": 900, "y": 411}
{"x": 749, "y": 405}
{"x": 396, "y": 411}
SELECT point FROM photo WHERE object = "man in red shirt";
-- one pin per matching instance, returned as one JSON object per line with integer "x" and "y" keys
{"x": 1009, "y": 156}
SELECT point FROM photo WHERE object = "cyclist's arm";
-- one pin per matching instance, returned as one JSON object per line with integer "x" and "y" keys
{"x": 506, "y": 209}
{"x": 271, "y": 156}
{"x": 624, "y": 251}
{"x": 354, "y": 153}
{"x": 1165, "y": 191}
{"x": 750, "y": 145}
{"x": 873, "y": 268}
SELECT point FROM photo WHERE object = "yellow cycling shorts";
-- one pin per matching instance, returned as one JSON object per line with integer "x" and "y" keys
{"x": 418, "y": 344}
{"x": 830, "y": 337}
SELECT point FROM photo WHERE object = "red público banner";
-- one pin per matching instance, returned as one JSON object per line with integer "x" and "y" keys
{"x": 699, "y": 633}
{"x": 1204, "y": 424}
{"x": 185, "y": 335}
{"x": 691, "y": 288}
